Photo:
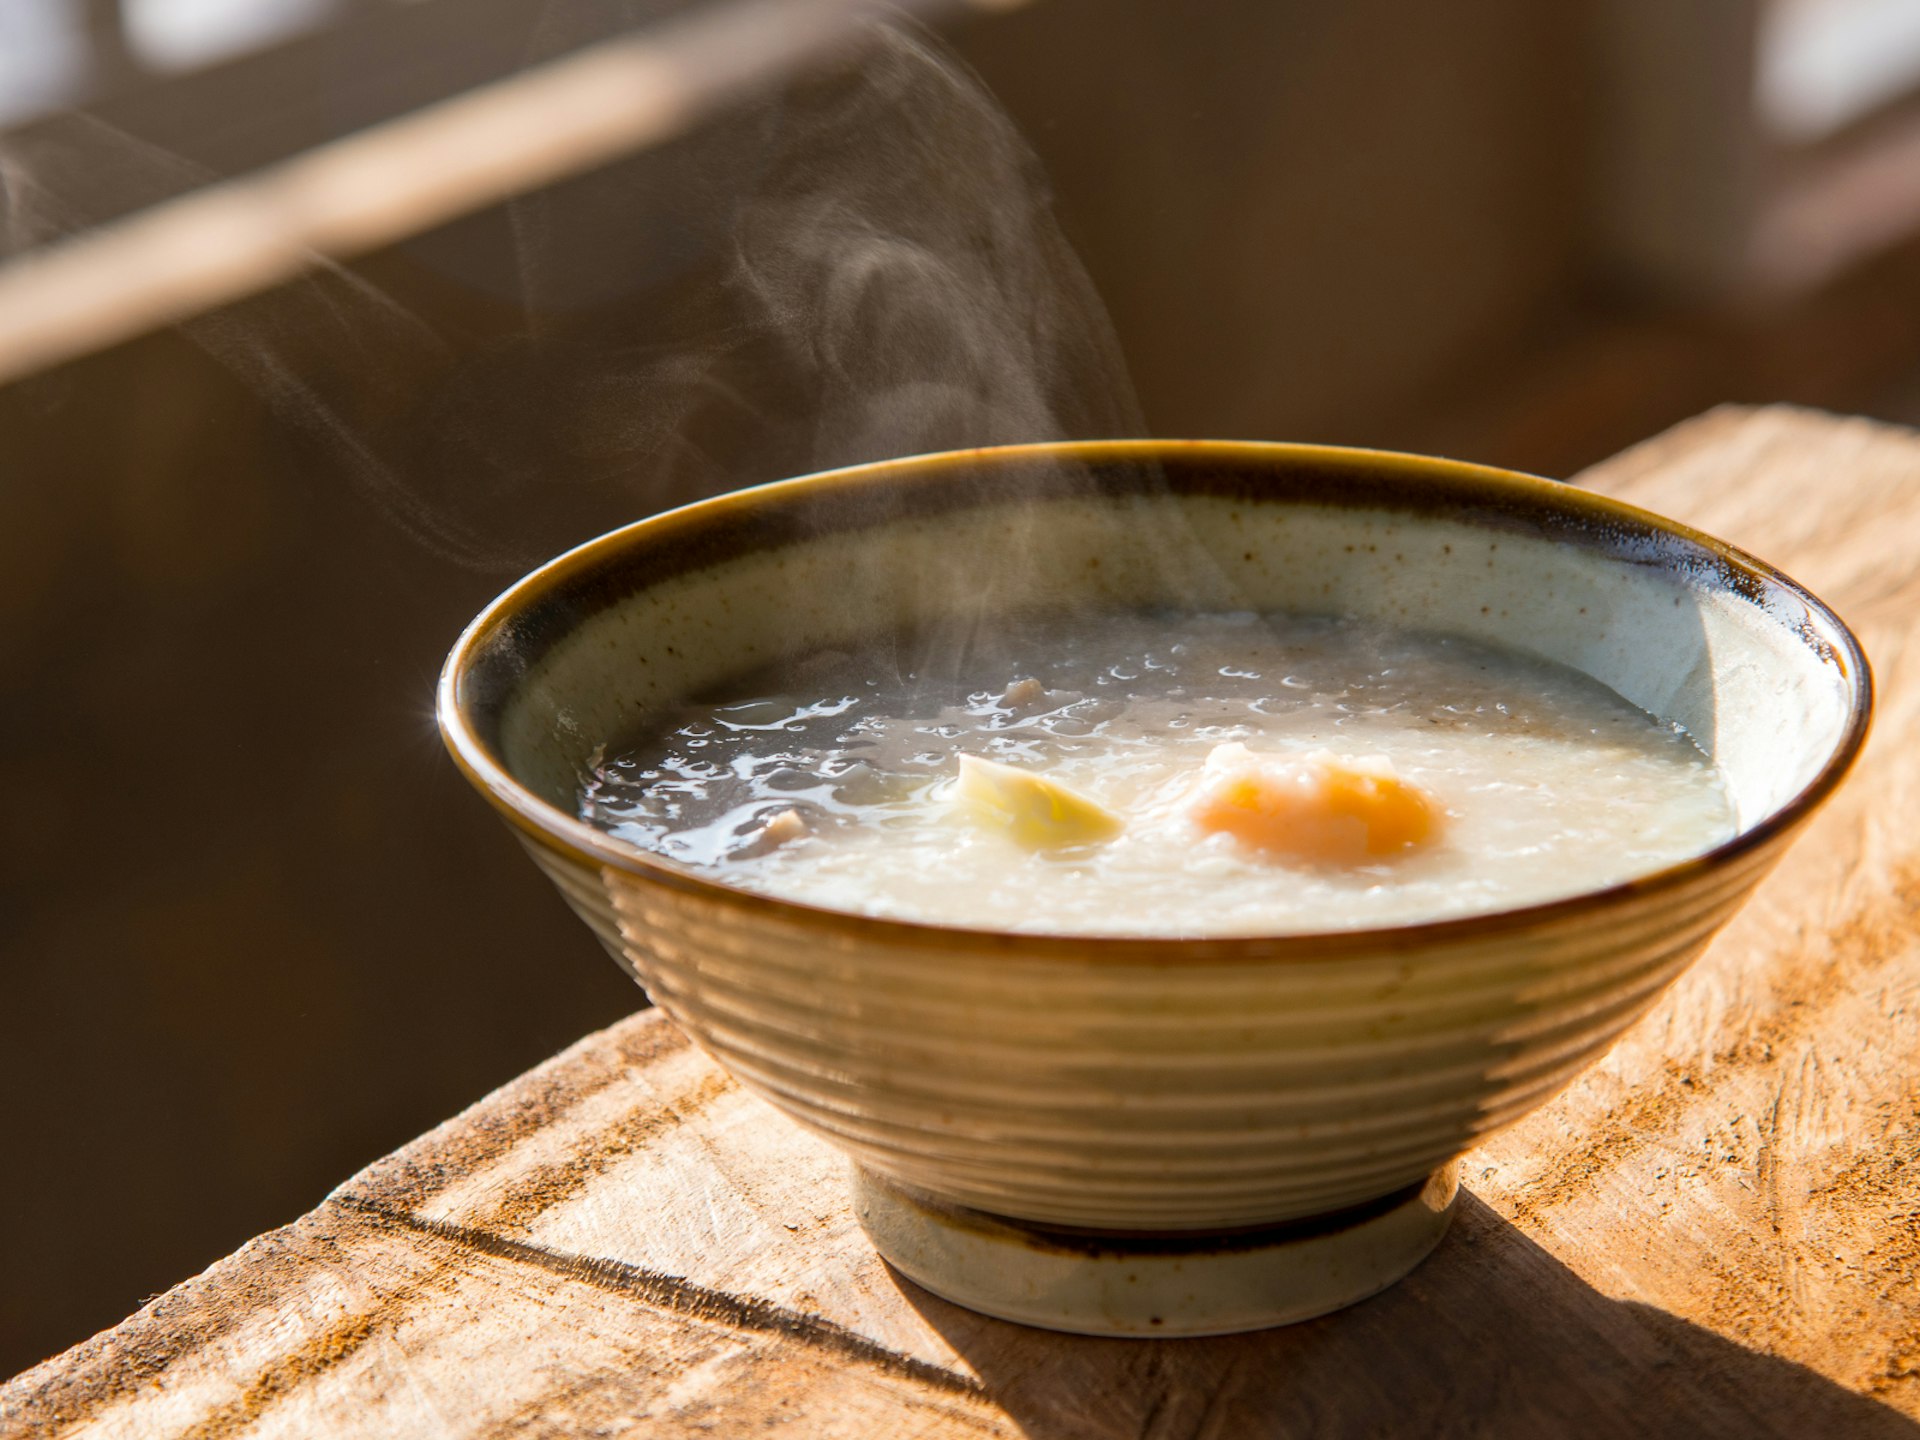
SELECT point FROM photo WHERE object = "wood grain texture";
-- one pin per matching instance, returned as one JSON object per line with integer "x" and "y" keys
{"x": 1715, "y": 1232}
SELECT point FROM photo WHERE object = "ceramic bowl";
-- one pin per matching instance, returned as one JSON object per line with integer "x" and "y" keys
{"x": 1130, "y": 1135}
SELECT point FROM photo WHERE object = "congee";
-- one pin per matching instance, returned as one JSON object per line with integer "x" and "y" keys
{"x": 1171, "y": 775}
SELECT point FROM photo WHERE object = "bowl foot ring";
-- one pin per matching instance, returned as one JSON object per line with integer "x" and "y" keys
{"x": 1164, "y": 1283}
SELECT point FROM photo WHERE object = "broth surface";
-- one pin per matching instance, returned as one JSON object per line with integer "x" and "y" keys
{"x": 1547, "y": 781}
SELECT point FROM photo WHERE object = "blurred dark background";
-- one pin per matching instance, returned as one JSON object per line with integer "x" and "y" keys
{"x": 255, "y": 932}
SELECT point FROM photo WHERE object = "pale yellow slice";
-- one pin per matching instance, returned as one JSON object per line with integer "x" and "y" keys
{"x": 1030, "y": 809}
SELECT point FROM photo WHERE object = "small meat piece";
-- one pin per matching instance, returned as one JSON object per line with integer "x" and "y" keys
{"x": 782, "y": 829}
{"x": 1023, "y": 692}
{"x": 787, "y": 825}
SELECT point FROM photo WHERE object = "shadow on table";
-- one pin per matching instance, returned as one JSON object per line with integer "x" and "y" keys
{"x": 1490, "y": 1337}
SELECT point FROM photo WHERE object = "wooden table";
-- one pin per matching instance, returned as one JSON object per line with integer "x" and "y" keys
{"x": 1715, "y": 1232}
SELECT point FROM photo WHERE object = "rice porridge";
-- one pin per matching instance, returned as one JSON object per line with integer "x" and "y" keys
{"x": 1170, "y": 775}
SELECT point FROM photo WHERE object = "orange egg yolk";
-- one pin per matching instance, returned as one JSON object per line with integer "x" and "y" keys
{"x": 1318, "y": 807}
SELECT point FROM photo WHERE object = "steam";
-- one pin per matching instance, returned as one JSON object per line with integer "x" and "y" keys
{"x": 865, "y": 265}
{"x": 321, "y": 354}
{"x": 906, "y": 251}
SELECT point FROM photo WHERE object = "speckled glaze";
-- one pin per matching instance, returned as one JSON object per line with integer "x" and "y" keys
{"x": 1151, "y": 1086}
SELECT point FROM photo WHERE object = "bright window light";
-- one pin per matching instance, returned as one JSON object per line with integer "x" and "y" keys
{"x": 1826, "y": 63}
{"x": 43, "y": 56}
{"x": 187, "y": 34}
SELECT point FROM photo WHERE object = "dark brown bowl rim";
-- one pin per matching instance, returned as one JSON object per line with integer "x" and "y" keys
{"x": 556, "y": 830}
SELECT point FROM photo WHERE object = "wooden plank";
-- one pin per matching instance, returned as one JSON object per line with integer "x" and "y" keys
{"x": 1747, "y": 1157}
{"x": 1716, "y": 1232}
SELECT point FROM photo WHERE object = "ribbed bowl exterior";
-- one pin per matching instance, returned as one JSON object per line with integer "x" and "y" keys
{"x": 1137, "y": 1084}
{"x": 1169, "y": 1087}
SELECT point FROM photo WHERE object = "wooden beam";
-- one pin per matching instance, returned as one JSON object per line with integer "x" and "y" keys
{"x": 241, "y": 236}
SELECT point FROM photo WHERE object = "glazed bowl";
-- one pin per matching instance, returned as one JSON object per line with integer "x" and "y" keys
{"x": 1142, "y": 1135}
